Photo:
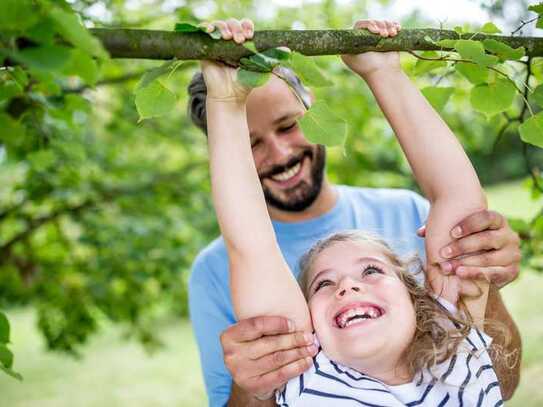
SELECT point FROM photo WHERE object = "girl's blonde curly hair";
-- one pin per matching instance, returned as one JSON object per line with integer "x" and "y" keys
{"x": 438, "y": 332}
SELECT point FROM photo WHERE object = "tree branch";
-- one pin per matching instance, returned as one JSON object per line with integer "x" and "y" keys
{"x": 148, "y": 44}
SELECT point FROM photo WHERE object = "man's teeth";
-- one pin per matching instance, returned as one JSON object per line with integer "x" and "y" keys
{"x": 355, "y": 315}
{"x": 288, "y": 174}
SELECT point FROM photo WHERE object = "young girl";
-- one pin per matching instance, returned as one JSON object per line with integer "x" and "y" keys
{"x": 385, "y": 340}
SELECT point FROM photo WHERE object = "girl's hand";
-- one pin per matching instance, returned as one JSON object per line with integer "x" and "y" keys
{"x": 220, "y": 79}
{"x": 367, "y": 63}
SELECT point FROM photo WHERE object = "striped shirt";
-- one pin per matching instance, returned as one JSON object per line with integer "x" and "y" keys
{"x": 466, "y": 379}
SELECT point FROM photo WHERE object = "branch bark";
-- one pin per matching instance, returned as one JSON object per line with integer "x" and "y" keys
{"x": 149, "y": 44}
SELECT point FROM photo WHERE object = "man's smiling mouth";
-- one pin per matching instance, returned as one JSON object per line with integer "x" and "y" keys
{"x": 289, "y": 173}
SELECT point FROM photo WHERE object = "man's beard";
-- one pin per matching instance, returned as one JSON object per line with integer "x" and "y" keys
{"x": 302, "y": 195}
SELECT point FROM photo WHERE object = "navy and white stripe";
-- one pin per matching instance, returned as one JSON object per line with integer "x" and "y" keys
{"x": 466, "y": 379}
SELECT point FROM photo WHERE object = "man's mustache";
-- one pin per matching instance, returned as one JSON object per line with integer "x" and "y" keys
{"x": 278, "y": 169}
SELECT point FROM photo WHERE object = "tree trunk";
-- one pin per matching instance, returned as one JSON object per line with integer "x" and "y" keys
{"x": 148, "y": 44}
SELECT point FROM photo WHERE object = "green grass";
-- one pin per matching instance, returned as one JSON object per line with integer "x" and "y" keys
{"x": 115, "y": 372}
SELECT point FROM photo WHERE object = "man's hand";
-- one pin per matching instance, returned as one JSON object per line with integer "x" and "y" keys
{"x": 367, "y": 63}
{"x": 263, "y": 353}
{"x": 484, "y": 246}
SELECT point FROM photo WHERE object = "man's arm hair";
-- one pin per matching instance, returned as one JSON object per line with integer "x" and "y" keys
{"x": 507, "y": 362}
{"x": 240, "y": 398}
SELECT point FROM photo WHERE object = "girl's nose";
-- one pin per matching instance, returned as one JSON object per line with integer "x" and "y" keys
{"x": 347, "y": 285}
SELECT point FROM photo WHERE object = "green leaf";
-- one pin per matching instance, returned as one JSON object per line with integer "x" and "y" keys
{"x": 6, "y": 357}
{"x": 503, "y": 51}
{"x": 490, "y": 28}
{"x": 252, "y": 79}
{"x": 279, "y": 53}
{"x": 459, "y": 29}
{"x": 44, "y": 58}
{"x": 322, "y": 126}
{"x": 84, "y": 66}
{"x": 422, "y": 66}
{"x": 429, "y": 39}
{"x": 531, "y": 131}
{"x": 13, "y": 132}
{"x": 72, "y": 30}
{"x": 537, "y": 96}
{"x": 472, "y": 72}
{"x": 154, "y": 100}
{"x": 186, "y": 27}
{"x": 17, "y": 15}
{"x": 438, "y": 97}
{"x": 447, "y": 43}
{"x": 536, "y": 8}
{"x": 308, "y": 71}
{"x": 474, "y": 51}
{"x": 250, "y": 45}
{"x": 9, "y": 90}
{"x": 10, "y": 372}
{"x": 154, "y": 73}
{"x": 493, "y": 98}
{"x": 259, "y": 63}
{"x": 4, "y": 329}
{"x": 21, "y": 77}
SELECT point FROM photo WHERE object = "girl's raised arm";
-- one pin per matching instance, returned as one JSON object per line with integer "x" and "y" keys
{"x": 442, "y": 170}
{"x": 261, "y": 282}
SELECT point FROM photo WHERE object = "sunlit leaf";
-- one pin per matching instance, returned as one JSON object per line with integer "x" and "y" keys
{"x": 155, "y": 73}
{"x": 17, "y": 15}
{"x": 73, "y": 31}
{"x": 84, "y": 66}
{"x": 308, "y": 71}
{"x": 474, "y": 51}
{"x": 437, "y": 96}
{"x": 490, "y": 28}
{"x": 45, "y": 58}
{"x": 493, "y": 98}
{"x": 531, "y": 131}
{"x": 187, "y": 27}
{"x": 252, "y": 79}
{"x": 472, "y": 72}
{"x": 446, "y": 43}
{"x": 423, "y": 66}
{"x": 154, "y": 100}
{"x": 537, "y": 96}
{"x": 6, "y": 357}
{"x": 503, "y": 51}
{"x": 4, "y": 329}
{"x": 322, "y": 126}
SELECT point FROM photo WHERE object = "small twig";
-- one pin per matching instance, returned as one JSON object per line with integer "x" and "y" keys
{"x": 523, "y": 24}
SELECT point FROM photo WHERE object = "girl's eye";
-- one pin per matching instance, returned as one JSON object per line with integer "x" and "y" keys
{"x": 368, "y": 270}
{"x": 321, "y": 284}
{"x": 287, "y": 128}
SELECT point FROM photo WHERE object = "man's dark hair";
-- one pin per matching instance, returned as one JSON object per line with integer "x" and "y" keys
{"x": 197, "y": 90}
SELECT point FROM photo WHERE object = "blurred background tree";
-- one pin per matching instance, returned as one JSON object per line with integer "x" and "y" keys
{"x": 101, "y": 215}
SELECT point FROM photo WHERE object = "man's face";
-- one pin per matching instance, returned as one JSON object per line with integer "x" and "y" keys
{"x": 290, "y": 168}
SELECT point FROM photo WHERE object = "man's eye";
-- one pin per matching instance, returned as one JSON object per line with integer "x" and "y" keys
{"x": 255, "y": 143}
{"x": 321, "y": 284}
{"x": 369, "y": 270}
{"x": 287, "y": 128}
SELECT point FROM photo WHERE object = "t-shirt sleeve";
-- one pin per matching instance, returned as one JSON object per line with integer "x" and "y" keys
{"x": 209, "y": 319}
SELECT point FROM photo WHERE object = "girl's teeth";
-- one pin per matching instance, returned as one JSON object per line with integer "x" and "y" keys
{"x": 286, "y": 175}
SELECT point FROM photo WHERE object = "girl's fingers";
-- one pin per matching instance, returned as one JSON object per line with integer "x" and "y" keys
{"x": 391, "y": 28}
{"x": 223, "y": 28}
{"x": 367, "y": 24}
{"x": 236, "y": 30}
{"x": 248, "y": 28}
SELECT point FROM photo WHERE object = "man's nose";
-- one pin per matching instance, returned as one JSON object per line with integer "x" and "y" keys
{"x": 278, "y": 149}
{"x": 348, "y": 285}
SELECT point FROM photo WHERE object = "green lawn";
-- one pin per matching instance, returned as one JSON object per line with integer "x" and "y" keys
{"x": 114, "y": 372}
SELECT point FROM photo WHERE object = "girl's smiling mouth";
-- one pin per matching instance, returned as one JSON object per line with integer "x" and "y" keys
{"x": 356, "y": 313}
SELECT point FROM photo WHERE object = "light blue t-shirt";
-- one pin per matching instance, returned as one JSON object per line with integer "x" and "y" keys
{"x": 393, "y": 214}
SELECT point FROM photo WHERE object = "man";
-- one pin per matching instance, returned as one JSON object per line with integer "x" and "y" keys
{"x": 263, "y": 353}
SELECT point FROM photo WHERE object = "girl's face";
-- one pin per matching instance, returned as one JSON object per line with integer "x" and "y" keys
{"x": 361, "y": 311}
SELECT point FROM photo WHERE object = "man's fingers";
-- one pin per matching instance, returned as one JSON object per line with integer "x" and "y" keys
{"x": 273, "y": 380}
{"x": 277, "y": 360}
{"x": 421, "y": 232}
{"x": 486, "y": 240}
{"x": 496, "y": 275}
{"x": 254, "y": 328}
{"x": 491, "y": 258}
{"x": 478, "y": 222}
{"x": 270, "y": 344}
